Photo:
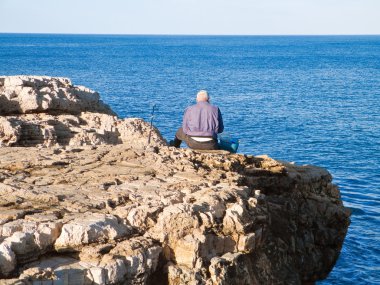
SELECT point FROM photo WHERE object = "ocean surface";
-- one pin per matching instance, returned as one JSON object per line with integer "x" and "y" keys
{"x": 307, "y": 99}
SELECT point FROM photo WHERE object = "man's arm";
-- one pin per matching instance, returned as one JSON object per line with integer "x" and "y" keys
{"x": 185, "y": 120}
{"x": 221, "y": 125}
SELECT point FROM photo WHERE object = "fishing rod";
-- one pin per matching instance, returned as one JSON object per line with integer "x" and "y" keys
{"x": 151, "y": 123}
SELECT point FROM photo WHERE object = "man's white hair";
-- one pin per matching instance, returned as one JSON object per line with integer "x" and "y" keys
{"x": 202, "y": 96}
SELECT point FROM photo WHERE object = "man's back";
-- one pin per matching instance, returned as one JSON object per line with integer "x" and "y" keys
{"x": 202, "y": 120}
{"x": 201, "y": 124}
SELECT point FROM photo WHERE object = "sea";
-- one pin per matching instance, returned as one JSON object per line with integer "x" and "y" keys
{"x": 305, "y": 99}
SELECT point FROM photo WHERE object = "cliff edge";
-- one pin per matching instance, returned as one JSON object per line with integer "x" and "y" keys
{"x": 85, "y": 200}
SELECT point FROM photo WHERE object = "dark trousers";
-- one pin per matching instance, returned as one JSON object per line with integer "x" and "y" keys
{"x": 181, "y": 136}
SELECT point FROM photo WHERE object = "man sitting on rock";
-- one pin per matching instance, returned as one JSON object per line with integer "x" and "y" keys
{"x": 201, "y": 124}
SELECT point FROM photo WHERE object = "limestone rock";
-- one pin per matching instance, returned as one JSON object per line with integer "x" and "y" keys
{"x": 7, "y": 215}
{"x": 9, "y": 131}
{"x": 46, "y": 235}
{"x": 48, "y": 111}
{"x": 26, "y": 241}
{"x": 140, "y": 260}
{"x": 23, "y": 245}
{"x": 131, "y": 262}
{"x": 87, "y": 202}
{"x": 224, "y": 270}
{"x": 7, "y": 259}
{"x": 90, "y": 228}
{"x": 36, "y": 94}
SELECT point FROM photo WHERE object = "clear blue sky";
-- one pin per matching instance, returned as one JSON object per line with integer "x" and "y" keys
{"x": 251, "y": 17}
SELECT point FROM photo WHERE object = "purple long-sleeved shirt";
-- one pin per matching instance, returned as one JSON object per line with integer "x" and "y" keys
{"x": 202, "y": 120}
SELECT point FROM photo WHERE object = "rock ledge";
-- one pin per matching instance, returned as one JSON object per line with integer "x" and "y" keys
{"x": 88, "y": 202}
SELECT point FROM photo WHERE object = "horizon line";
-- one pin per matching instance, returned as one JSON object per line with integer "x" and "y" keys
{"x": 178, "y": 34}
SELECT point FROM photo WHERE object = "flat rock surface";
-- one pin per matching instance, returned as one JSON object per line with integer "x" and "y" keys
{"x": 197, "y": 214}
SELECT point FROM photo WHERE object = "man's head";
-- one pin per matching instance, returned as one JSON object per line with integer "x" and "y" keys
{"x": 202, "y": 96}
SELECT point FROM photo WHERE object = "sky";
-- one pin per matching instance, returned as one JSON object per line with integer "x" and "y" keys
{"x": 205, "y": 17}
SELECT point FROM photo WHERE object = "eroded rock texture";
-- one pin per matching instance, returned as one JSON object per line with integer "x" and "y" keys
{"x": 129, "y": 214}
{"x": 51, "y": 111}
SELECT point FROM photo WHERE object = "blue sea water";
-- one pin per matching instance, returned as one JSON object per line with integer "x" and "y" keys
{"x": 308, "y": 99}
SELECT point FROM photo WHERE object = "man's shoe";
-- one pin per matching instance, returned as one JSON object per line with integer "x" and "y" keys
{"x": 176, "y": 143}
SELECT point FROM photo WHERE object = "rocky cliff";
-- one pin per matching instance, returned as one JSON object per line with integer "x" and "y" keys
{"x": 88, "y": 201}
{"x": 51, "y": 111}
